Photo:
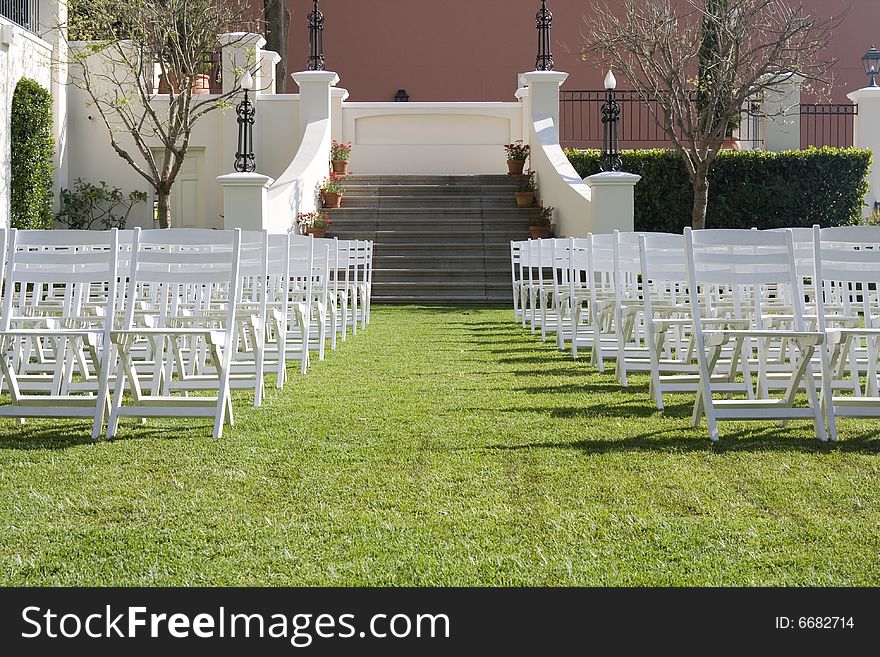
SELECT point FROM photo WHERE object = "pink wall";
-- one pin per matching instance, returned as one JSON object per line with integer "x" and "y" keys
{"x": 473, "y": 49}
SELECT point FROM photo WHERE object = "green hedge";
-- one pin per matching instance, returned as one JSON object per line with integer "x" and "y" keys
{"x": 747, "y": 189}
{"x": 32, "y": 147}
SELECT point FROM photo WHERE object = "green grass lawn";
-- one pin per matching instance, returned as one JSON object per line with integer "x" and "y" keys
{"x": 442, "y": 447}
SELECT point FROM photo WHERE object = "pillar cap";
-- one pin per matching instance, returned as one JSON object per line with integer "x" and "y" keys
{"x": 329, "y": 77}
{"x": 244, "y": 180}
{"x": 247, "y": 39}
{"x": 531, "y": 77}
{"x": 339, "y": 92}
{"x": 617, "y": 178}
{"x": 865, "y": 93}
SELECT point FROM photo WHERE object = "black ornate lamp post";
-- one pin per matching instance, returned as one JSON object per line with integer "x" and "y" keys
{"x": 871, "y": 62}
{"x": 544, "y": 20}
{"x": 610, "y": 160}
{"x": 245, "y": 160}
{"x": 316, "y": 39}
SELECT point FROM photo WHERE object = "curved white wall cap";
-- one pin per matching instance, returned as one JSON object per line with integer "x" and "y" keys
{"x": 549, "y": 140}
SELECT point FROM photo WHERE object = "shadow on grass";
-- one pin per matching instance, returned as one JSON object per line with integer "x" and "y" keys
{"x": 46, "y": 434}
{"x": 635, "y": 409}
{"x": 581, "y": 388}
{"x": 763, "y": 439}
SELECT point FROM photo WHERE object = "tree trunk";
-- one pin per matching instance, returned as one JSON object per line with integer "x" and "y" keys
{"x": 277, "y": 18}
{"x": 700, "y": 183}
{"x": 163, "y": 212}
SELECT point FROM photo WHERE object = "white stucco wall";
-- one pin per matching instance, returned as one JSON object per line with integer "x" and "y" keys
{"x": 430, "y": 138}
{"x": 92, "y": 158}
{"x": 22, "y": 55}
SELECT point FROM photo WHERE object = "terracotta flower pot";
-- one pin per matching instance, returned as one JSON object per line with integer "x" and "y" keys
{"x": 340, "y": 166}
{"x": 540, "y": 232}
{"x": 515, "y": 167}
{"x": 331, "y": 199}
{"x": 201, "y": 84}
{"x": 524, "y": 199}
{"x": 730, "y": 144}
{"x": 317, "y": 232}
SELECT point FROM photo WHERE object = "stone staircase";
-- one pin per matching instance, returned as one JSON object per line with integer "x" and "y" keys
{"x": 438, "y": 239}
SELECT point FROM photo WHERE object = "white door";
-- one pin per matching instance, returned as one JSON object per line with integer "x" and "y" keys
{"x": 187, "y": 194}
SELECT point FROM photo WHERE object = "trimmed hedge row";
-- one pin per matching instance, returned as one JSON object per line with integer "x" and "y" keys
{"x": 747, "y": 189}
{"x": 33, "y": 147}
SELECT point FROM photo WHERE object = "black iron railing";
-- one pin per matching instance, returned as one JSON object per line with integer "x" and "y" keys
{"x": 24, "y": 12}
{"x": 828, "y": 124}
{"x": 580, "y": 118}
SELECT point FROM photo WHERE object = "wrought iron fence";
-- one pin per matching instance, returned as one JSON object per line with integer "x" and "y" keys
{"x": 24, "y": 12}
{"x": 580, "y": 118}
{"x": 828, "y": 124}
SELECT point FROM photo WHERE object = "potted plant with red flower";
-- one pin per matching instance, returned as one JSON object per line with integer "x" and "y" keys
{"x": 314, "y": 223}
{"x": 339, "y": 155}
{"x": 517, "y": 153}
{"x": 525, "y": 196}
{"x": 331, "y": 190}
{"x": 540, "y": 224}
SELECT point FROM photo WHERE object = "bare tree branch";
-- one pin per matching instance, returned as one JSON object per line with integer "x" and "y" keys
{"x": 127, "y": 42}
{"x": 698, "y": 62}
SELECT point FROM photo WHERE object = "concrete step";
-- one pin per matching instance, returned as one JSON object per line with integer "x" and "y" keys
{"x": 438, "y": 274}
{"x": 437, "y": 239}
{"x": 450, "y": 181}
{"x": 441, "y": 234}
{"x": 427, "y": 213}
{"x": 452, "y": 261}
{"x": 381, "y": 202}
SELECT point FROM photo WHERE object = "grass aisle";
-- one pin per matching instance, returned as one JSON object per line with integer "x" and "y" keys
{"x": 441, "y": 447}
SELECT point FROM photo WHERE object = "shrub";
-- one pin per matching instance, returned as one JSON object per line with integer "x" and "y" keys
{"x": 32, "y": 147}
{"x": 747, "y": 189}
{"x": 89, "y": 206}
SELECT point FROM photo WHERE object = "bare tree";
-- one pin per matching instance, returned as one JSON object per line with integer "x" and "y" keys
{"x": 128, "y": 41}
{"x": 700, "y": 61}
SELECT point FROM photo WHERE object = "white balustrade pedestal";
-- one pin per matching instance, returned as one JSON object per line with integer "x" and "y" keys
{"x": 244, "y": 200}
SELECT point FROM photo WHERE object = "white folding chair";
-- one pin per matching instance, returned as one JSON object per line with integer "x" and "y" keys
{"x": 65, "y": 283}
{"x": 174, "y": 270}
{"x": 847, "y": 269}
{"x": 752, "y": 266}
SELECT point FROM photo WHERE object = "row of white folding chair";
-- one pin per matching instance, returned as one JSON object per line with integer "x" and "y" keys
{"x": 163, "y": 317}
{"x": 71, "y": 266}
{"x": 727, "y": 309}
{"x": 351, "y": 288}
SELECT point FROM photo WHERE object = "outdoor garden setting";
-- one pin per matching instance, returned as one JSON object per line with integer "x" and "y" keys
{"x": 489, "y": 321}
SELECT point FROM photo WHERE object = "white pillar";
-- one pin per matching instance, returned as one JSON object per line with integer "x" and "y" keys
{"x": 544, "y": 92}
{"x": 337, "y": 128}
{"x": 781, "y": 110}
{"x": 314, "y": 95}
{"x": 244, "y": 200}
{"x": 53, "y": 26}
{"x": 241, "y": 50}
{"x": 612, "y": 197}
{"x": 866, "y": 134}
{"x": 268, "y": 60}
